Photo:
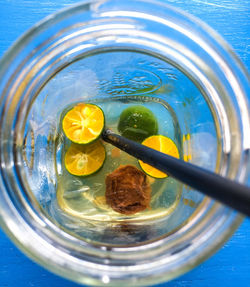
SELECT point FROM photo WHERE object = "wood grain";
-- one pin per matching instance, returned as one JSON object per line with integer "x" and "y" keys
{"x": 231, "y": 265}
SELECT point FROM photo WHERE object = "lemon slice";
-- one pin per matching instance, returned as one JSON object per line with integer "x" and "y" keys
{"x": 162, "y": 144}
{"x": 83, "y": 160}
{"x": 84, "y": 123}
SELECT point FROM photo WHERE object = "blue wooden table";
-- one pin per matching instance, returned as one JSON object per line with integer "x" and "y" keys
{"x": 231, "y": 265}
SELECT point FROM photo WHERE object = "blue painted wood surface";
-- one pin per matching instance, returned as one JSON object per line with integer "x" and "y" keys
{"x": 231, "y": 265}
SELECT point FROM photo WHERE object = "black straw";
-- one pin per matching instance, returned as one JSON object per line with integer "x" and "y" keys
{"x": 228, "y": 192}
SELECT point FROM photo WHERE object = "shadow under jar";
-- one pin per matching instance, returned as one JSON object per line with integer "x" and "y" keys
{"x": 117, "y": 54}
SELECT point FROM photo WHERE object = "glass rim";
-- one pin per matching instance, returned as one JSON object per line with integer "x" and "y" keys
{"x": 235, "y": 219}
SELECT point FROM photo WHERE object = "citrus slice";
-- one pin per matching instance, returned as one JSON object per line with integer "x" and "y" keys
{"x": 84, "y": 123}
{"x": 83, "y": 160}
{"x": 162, "y": 144}
{"x": 137, "y": 123}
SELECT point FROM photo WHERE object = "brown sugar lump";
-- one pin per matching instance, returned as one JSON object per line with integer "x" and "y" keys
{"x": 127, "y": 190}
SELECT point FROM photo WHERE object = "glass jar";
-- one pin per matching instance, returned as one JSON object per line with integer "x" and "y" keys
{"x": 124, "y": 52}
